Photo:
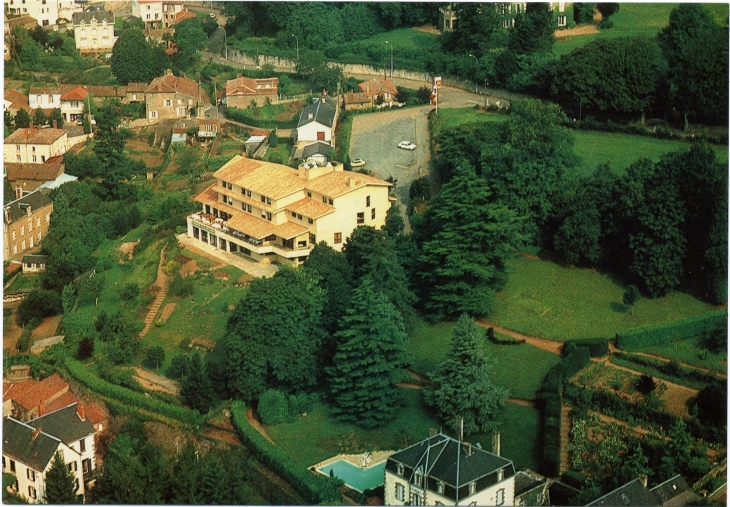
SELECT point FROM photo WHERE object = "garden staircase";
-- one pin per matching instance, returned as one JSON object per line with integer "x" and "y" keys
{"x": 162, "y": 286}
{"x": 565, "y": 427}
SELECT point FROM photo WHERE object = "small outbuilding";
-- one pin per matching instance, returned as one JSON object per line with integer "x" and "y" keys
{"x": 33, "y": 264}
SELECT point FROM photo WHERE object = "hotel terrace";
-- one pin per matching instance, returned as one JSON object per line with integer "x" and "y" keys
{"x": 273, "y": 213}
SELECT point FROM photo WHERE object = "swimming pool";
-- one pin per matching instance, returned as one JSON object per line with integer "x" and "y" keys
{"x": 354, "y": 476}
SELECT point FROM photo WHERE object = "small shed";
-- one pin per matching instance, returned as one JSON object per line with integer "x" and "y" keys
{"x": 253, "y": 143}
{"x": 41, "y": 345}
{"x": 18, "y": 372}
{"x": 33, "y": 264}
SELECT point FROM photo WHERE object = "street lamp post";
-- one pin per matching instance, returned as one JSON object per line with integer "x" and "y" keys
{"x": 391, "y": 58}
{"x": 225, "y": 40}
{"x": 486, "y": 100}
{"x": 297, "y": 38}
{"x": 476, "y": 86}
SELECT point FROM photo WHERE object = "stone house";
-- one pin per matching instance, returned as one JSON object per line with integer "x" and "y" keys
{"x": 26, "y": 222}
{"x": 242, "y": 90}
{"x": 94, "y": 31}
{"x": 172, "y": 97}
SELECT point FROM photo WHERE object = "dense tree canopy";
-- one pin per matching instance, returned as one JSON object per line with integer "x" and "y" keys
{"x": 136, "y": 60}
{"x": 463, "y": 390}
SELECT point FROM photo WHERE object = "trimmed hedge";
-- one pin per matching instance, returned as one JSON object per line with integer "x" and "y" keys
{"x": 241, "y": 116}
{"x": 667, "y": 332}
{"x": 83, "y": 374}
{"x": 598, "y": 347}
{"x": 316, "y": 489}
{"x": 671, "y": 370}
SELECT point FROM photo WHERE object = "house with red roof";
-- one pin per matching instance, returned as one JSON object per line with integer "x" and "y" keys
{"x": 172, "y": 97}
{"x": 15, "y": 101}
{"x": 381, "y": 91}
{"x": 72, "y": 103}
{"x": 242, "y": 90}
{"x": 34, "y": 146}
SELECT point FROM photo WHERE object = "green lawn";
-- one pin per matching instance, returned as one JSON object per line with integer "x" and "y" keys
{"x": 636, "y": 19}
{"x": 691, "y": 351}
{"x": 520, "y": 436}
{"x": 319, "y": 436}
{"x": 453, "y": 117}
{"x": 545, "y": 299}
{"x": 402, "y": 38}
{"x": 621, "y": 150}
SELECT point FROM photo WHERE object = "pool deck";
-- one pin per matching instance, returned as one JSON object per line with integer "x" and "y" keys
{"x": 375, "y": 458}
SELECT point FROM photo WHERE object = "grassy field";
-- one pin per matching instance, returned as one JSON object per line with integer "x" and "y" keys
{"x": 545, "y": 299}
{"x": 453, "y": 117}
{"x": 634, "y": 19}
{"x": 520, "y": 436}
{"x": 518, "y": 368}
{"x": 691, "y": 351}
{"x": 621, "y": 150}
{"x": 402, "y": 38}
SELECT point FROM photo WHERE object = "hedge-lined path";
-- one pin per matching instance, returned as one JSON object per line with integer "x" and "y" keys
{"x": 253, "y": 419}
{"x": 565, "y": 427}
{"x": 541, "y": 343}
{"x": 718, "y": 374}
{"x": 522, "y": 402}
{"x": 162, "y": 288}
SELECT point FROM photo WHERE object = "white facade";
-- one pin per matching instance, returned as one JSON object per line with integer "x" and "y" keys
{"x": 45, "y": 99}
{"x": 398, "y": 491}
{"x": 44, "y": 11}
{"x": 150, "y": 11}
{"x": 94, "y": 36}
{"x": 314, "y": 131}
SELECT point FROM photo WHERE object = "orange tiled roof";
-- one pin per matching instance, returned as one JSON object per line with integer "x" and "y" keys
{"x": 248, "y": 86}
{"x": 266, "y": 178}
{"x": 11, "y": 389}
{"x": 19, "y": 100}
{"x": 136, "y": 87}
{"x": 95, "y": 414}
{"x": 35, "y": 136}
{"x": 63, "y": 401}
{"x": 356, "y": 98}
{"x": 377, "y": 86}
{"x": 334, "y": 184}
{"x": 33, "y": 394}
{"x": 40, "y": 172}
{"x": 77, "y": 93}
{"x": 310, "y": 208}
{"x": 173, "y": 84}
{"x": 259, "y": 132}
{"x": 183, "y": 15}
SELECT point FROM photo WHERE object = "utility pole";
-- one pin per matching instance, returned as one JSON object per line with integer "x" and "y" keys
{"x": 476, "y": 86}
{"x": 391, "y": 58}
{"x": 297, "y": 38}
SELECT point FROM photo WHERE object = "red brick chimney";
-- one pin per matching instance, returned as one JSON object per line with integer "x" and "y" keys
{"x": 81, "y": 411}
{"x": 55, "y": 124}
{"x": 42, "y": 409}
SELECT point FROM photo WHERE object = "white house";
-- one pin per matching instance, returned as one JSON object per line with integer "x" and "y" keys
{"x": 444, "y": 471}
{"x": 29, "y": 449}
{"x": 35, "y": 146}
{"x": 317, "y": 122}
{"x": 94, "y": 31}
{"x": 149, "y": 11}
{"x": 45, "y": 98}
{"x": 44, "y": 11}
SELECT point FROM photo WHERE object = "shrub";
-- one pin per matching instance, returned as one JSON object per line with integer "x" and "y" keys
{"x": 302, "y": 403}
{"x": 129, "y": 291}
{"x": 39, "y": 304}
{"x": 273, "y": 407}
{"x": 645, "y": 384}
{"x": 668, "y": 332}
{"x": 598, "y": 347}
{"x": 86, "y": 348}
{"x": 181, "y": 287}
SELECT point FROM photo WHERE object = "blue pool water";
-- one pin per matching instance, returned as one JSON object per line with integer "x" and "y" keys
{"x": 354, "y": 476}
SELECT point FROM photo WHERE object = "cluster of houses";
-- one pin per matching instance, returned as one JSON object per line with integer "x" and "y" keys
{"x": 40, "y": 420}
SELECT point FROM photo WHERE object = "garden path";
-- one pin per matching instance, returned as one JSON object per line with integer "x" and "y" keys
{"x": 162, "y": 287}
{"x": 566, "y": 426}
{"x": 718, "y": 374}
{"x": 253, "y": 419}
{"x": 541, "y": 343}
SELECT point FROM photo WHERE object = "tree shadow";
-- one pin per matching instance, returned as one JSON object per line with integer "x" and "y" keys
{"x": 619, "y": 307}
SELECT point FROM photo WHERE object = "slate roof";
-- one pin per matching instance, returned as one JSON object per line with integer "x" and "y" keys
{"x": 321, "y": 111}
{"x": 19, "y": 444}
{"x": 64, "y": 424}
{"x": 634, "y": 493}
{"x": 37, "y": 200}
{"x": 35, "y": 136}
{"x": 670, "y": 489}
{"x": 86, "y": 17}
{"x": 318, "y": 147}
{"x": 38, "y": 259}
{"x": 524, "y": 483}
{"x": 456, "y": 464}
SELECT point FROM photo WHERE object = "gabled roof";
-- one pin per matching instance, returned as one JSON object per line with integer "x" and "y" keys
{"x": 17, "y": 99}
{"x": 88, "y": 16}
{"x": 674, "y": 491}
{"x": 633, "y": 493}
{"x": 18, "y": 208}
{"x": 173, "y": 84}
{"x": 456, "y": 464}
{"x": 38, "y": 259}
{"x": 21, "y": 21}
{"x": 77, "y": 93}
{"x": 35, "y": 136}
{"x": 321, "y": 111}
{"x": 317, "y": 147}
{"x": 183, "y": 15}
{"x": 64, "y": 424}
{"x": 31, "y": 394}
{"x": 136, "y": 87}
{"x": 36, "y": 172}
{"x": 356, "y": 98}
{"x": 247, "y": 86}
{"x": 19, "y": 444}
{"x": 337, "y": 183}
{"x": 377, "y": 86}
{"x": 265, "y": 178}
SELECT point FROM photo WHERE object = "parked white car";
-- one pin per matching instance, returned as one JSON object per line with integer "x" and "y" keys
{"x": 357, "y": 163}
{"x": 407, "y": 145}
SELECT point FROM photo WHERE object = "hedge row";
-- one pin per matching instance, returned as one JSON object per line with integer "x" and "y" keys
{"x": 83, "y": 374}
{"x": 671, "y": 371}
{"x": 668, "y": 332}
{"x": 598, "y": 347}
{"x": 241, "y": 116}
{"x": 316, "y": 489}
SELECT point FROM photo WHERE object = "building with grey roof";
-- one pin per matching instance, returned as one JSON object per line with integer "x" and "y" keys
{"x": 672, "y": 492}
{"x": 25, "y": 224}
{"x": 318, "y": 122}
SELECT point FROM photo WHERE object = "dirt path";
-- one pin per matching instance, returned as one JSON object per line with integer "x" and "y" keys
{"x": 162, "y": 287}
{"x": 576, "y": 31}
{"x": 252, "y": 418}
{"x": 685, "y": 365}
{"x": 154, "y": 382}
{"x": 541, "y": 343}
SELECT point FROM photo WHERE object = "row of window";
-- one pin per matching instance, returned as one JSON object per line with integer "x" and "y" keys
{"x": 23, "y": 245}
{"x": 168, "y": 102}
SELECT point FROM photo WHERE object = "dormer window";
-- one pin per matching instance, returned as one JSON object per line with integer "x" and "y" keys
{"x": 440, "y": 487}
{"x": 418, "y": 479}
{"x": 472, "y": 488}
{"x": 500, "y": 475}
{"x": 399, "y": 469}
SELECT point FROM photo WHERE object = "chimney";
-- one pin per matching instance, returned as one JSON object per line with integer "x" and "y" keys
{"x": 169, "y": 72}
{"x": 55, "y": 124}
{"x": 432, "y": 432}
{"x": 467, "y": 448}
{"x": 81, "y": 411}
{"x": 644, "y": 480}
{"x": 34, "y": 434}
{"x": 7, "y": 215}
{"x": 351, "y": 183}
{"x": 41, "y": 409}
{"x": 496, "y": 443}
{"x": 311, "y": 115}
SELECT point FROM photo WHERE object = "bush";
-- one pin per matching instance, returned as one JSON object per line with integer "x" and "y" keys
{"x": 181, "y": 287}
{"x": 241, "y": 115}
{"x": 302, "y": 403}
{"x": 668, "y": 332}
{"x": 39, "y": 304}
{"x": 598, "y": 347}
{"x": 129, "y": 291}
{"x": 507, "y": 340}
{"x": 273, "y": 407}
{"x": 315, "y": 488}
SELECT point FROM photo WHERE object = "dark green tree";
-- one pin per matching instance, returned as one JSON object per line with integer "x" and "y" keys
{"x": 56, "y": 116}
{"x": 274, "y": 335}
{"x": 136, "y": 60}
{"x": 696, "y": 49}
{"x": 179, "y": 367}
{"x": 22, "y": 119}
{"x": 86, "y": 348}
{"x": 156, "y": 356}
{"x": 196, "y": 388}
{"x": 371, "y": 353}
{"x": 631, "y": 296}
{"x": 273, "y": 407}
{"x": 457, "y": 276}
{"x": 476, "y": 30}
{"x": 190, "y": 38}
{"x": 712, "y": 403}
{"x": 607, "y": 9}
{"x": 213, "y": 479}
{"x": 185, "y": 476}
{"x": 533, "y": 31}
{"x": 578, "y": 238}
{"x": 463, "y": 390}
{"x": 40, "y": 118}
{"x": 60, "y": 486}
{"x": 39, "y": 304}
{"x": 122, "y": 478}
{"x": 359, "y": 21}
{"x": 30, "y": 56}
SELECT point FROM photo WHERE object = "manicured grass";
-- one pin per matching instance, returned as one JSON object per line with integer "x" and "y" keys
{"x": 622, "y": 150}
{"x": 22, "y": 281}
{"x": 453, "y": 117}
{"x": 634, "y": 19}
{"x": 548, "y": 300}
{"x": 402, "y": 38}
{"x": 520, "y": 436}
{"x": 319, "y": 435}
{"x": 518, "y": 368}
{"x": 691, "y": 351}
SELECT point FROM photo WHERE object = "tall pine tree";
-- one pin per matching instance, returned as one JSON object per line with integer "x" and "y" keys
{"x": 371, "y": 352}
{"x": 60, "y": 486}
{"x": 463, "y": 388}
